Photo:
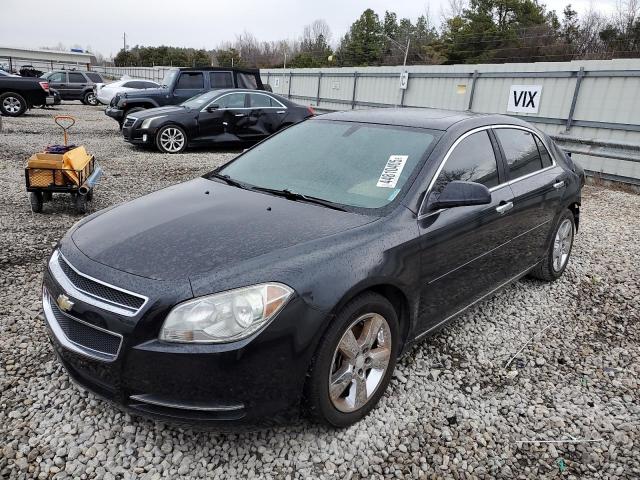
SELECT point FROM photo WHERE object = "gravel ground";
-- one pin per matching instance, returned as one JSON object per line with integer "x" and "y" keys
{"x": 453, "y": 409}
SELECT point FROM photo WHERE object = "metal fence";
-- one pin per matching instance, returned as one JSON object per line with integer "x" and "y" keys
{"x": 591, "y": 108}
{"x": 155, "y": 74}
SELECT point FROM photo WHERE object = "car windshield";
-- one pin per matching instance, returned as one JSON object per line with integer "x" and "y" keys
{"x": 169, "y": 78}
{"x": 352, "y": 164}
{"x": 200, "y": 100}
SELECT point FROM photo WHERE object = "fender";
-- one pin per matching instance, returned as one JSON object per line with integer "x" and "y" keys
{"x": 146, "y": 102}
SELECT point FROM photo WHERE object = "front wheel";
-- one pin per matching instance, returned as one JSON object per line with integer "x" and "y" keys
{"x": 557, "y": 256}
{"x": 90, "y": 99}
{"x": 171, "y": 139}
{"x": 354, "y": 363}
{"x": 12, "y": 104}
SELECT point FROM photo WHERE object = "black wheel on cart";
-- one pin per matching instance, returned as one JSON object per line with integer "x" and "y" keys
{"x": 90, "y": 195}
{"x": 36, "y": 201}
{"x": 81, "y": 203}
{"x": 47, "y": 196}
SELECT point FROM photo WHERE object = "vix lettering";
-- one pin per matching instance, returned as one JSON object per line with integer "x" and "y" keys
{"x": 522, "y": 97}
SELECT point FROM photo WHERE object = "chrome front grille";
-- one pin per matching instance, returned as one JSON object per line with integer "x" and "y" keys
{"x": 79, "y": 336}
{"x": 94, "y": 291}
{"x": 129, "y": 121}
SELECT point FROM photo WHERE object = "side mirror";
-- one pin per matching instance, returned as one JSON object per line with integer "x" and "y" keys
{"x": 459, "y": 194}
{"x": 212, "y": 108}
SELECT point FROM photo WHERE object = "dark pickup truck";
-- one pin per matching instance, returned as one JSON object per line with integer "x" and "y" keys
{"x": 179, "y": 85}
{"x": 17, "y": 94}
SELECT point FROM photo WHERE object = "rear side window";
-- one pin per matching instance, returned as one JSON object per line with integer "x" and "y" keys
{"x": 544, "y": 154}
{"x": 520, "y": 151}
{"x": 149, "y": 85}
{"x": 75, "y": 77}
{"x": 130, "y": 85}
{"x": 221, "y": 79}
{"x": 263, "y": 101}
{"x": 94, "y": 77}
{"x": 190, "y": 81}
{"x": 246, "y": 80}
{"x": 473, "y": 160}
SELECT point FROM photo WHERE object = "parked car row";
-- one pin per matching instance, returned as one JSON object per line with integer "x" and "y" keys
{"x": 17, "y": 94}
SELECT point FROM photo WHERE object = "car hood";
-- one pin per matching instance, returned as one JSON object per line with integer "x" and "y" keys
{"x": 154, "y": 112}
{"x": 200, "y": 226}
{"x": 146, "y": 92}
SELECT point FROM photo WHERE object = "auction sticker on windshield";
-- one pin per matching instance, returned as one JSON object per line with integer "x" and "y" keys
{"x": 391, "y": 171}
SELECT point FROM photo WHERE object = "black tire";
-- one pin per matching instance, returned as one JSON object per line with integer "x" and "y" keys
{"x": 80, "y": 203}
{"x": 169, "y": 129}
{"x": 47, "y": 196}
{"x": 90, "y": 99}
{"x": 546, "y": 270}
{"x": 12, "y": 104}
{"x": 318, "y": 402}
{"x": 36, "y": 201}
{"x": 90, "y": 195}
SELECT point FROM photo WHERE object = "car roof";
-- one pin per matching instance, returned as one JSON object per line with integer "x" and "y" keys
{"x": 428, "y": 118}
{"x": 216, "y": 69}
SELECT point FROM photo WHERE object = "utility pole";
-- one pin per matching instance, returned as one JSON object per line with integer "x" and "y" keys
{"x": 406, "y": 52}
{"x": 124, "y": 41}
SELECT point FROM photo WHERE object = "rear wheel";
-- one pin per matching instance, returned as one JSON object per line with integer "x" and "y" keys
{"x": 171, "y": 139}
{"x": 354, "y": 363}
{"x": 80, "y": 202}
{"x": 12, "y": 104}
{"x": 557, "y": 257}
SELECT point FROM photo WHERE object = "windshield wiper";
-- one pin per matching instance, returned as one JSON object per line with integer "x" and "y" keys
{"x": 228, "y": 180}
{"x": 286, "y": 193}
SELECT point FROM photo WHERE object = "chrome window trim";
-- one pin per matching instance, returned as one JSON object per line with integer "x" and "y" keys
{"x": 244, "y": 108}
{"x": 492, "y": 189}
{"x": 88, "y": 297}
{"x": 69, "y": 344}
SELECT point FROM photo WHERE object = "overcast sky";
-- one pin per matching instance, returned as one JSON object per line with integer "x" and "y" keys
{"x": 196, "y": 23}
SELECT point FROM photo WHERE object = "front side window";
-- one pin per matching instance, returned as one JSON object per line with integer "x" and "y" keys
{"x": 472, "y": 160}
{"x": 233, "y": 100}
{"x": 95, "y": 78}
{"x": 520, "y": 151}
{"x": 353, "y": 164}
{"x": 221, "y": 79}
{"x": 190, "y": 81}
{"x": 75, "y": 77}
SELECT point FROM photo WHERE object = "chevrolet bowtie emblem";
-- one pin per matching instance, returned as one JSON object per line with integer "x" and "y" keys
{"x": 64, "y": 303}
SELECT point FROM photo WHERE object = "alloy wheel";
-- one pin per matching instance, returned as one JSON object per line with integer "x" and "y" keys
{"x": 91, "y": 99}
{"x": 562, "y": 244}
{"x": 360, "y": 362}
{"x": 172, "y": 139}
{"x": 11, "y": 105}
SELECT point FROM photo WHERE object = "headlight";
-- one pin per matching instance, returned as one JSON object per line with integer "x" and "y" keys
{"x": 147, "y": 122}
{"x": 226, "y": 316}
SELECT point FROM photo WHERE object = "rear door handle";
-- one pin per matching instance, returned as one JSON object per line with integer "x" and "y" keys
{"x": 504, "y": 208}
{"x": 280, "y": 112}
{"x": 241, "y": 114}
{"x": 559, "y": 184}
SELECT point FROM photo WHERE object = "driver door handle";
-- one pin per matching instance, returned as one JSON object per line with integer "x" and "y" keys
{"x": 240, "y": 114}
{"x": 558, "y": 185}
{"x": 504, "y": 208}
{"x": 280, "y": 112}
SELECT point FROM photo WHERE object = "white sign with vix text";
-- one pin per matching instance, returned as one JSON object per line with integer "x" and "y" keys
{"x": 524, "y": 98}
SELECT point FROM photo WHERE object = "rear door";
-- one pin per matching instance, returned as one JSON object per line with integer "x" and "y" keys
{"x": 266, "y": 116}
{"x": 462, "y": 249}
{"x": 58, "y": 81}
{"x": 76, "y": 85}
{"x": 189, "y": 84}
{"x": 538, "y": 185}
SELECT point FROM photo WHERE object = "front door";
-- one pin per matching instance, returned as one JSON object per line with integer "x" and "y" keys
{"x": 58, "y": 81}
{"x": 462, "y": 249}
{"x": 223, "y": 123}
{"x": 188, "y": 85}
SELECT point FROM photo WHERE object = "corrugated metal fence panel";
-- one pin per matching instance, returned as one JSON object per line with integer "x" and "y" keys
{"x": 607, "y": 105}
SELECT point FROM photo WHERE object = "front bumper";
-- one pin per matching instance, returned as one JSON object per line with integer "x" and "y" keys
{"x": 114, "y": 113}
{"x": 138, "y": 136}
{"x": 253, "y": 381}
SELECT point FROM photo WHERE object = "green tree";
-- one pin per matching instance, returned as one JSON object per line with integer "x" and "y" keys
{"x": 364, "y": 43}
{"x": 229, "y": 58}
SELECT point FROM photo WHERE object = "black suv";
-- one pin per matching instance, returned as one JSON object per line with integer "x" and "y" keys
{"x": 179, "y": 85}
{"x": 75, "y": 85}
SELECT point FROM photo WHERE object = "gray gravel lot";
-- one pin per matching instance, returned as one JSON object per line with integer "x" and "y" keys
{"x": 453, "y": 410}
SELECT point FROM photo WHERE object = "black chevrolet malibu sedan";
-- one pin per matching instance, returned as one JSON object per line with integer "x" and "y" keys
{"x": 293, "y": 277}
{"x": 217, "y": 117}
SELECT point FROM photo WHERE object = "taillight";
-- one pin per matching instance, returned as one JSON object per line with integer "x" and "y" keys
{"x": 311, "y": 110}
{"x": 45, "y": 86}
